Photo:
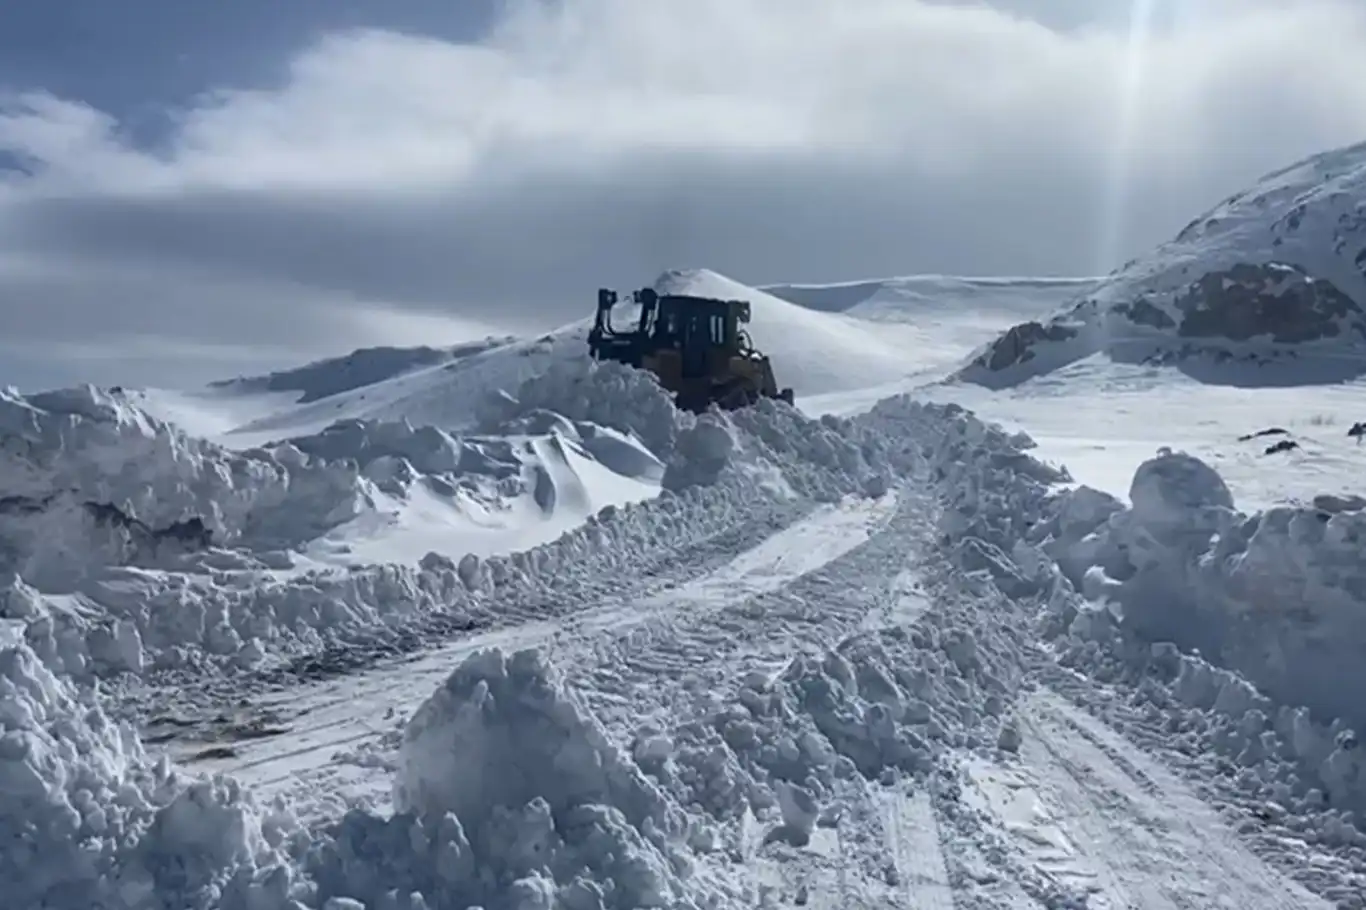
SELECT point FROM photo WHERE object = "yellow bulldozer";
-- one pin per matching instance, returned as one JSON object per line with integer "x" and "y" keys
{"x": 695, "y": 346}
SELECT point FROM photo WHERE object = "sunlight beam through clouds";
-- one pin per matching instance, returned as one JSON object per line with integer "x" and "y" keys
{"x": 1119, "y": 192}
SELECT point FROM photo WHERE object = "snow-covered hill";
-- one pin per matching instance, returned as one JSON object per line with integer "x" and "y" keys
{"x": 920, "y": 298}
{"x": 1266, "y": 288}
{"x": 813, "y": 352}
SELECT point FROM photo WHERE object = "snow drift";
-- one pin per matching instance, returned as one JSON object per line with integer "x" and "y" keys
{"x": 97, "y": 481}
{"x": 1273, "y": 275}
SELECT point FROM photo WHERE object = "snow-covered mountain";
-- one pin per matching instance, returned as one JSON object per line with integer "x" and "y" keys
{"x": 1267, "y": 287}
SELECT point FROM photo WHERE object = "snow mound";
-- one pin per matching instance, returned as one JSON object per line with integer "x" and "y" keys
{"x": 1279, "y": 596}
{"x": 607, "y": 394}
{"x": 509, "y": 795}
{"x": 817, "y": 458}
{"x": 87, "y": 820}
{"x": 892, "y": 700}
{"x": 1273, "y": 277}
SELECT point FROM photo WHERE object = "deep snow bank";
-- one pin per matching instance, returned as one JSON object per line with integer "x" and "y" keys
{"x": 1274, "y": 599}
{"x": 99, "y": 482}
{"x": 539, "y": 477}
{"x": 1279, "y": 596}
{"x": 1276, "y": 273}
{"x": 508, "y": 796}
{"x": 87, "y": 820}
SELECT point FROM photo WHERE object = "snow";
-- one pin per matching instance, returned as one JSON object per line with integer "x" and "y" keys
{"x": 89, "y": 819}
{"x": 938, "y": 320}
{"x": 498, "y": 627}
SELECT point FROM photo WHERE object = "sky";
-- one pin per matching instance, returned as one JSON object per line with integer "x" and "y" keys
{"x": 190, "y": 191}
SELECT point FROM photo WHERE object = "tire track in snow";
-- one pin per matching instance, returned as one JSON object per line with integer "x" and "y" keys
{"x": 679, "y": 669}
{"x": 1324, "y": 869}
{"x": 1155, "y": 844}
{"x": 803, "y": 590}
{"x": 912, "y": 830}
{"x": 1217, "y": 844}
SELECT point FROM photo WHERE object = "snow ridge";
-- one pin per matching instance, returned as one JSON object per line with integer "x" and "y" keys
{"x": 83, "y": 467}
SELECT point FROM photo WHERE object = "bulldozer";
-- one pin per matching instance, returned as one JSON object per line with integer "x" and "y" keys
{"x": 695, "y": 346}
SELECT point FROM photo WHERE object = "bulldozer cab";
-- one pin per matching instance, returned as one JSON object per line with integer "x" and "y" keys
{"x": 696, "y": 346}
{"x": 699, "y": 329}
{"x": 693, "y": 326}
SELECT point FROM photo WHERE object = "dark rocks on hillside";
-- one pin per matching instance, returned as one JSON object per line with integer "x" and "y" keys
{"x": 1275, "y": 301}
{"x": 1143, "y": 312}
{"x": 1016, "y": 346}
{"x": 191, "y": 533}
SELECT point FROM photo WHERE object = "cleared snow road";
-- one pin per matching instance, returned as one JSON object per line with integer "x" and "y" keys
{"x": 329, "y": 742}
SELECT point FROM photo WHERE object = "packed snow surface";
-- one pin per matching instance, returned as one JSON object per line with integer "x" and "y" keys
{"x": 499, "y": 627}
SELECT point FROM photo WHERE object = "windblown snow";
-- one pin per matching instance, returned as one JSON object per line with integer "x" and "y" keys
{"x": 498, "y": 627}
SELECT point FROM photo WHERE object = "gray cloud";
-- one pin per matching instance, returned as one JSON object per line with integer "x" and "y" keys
{"x": 399, "y": 189}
